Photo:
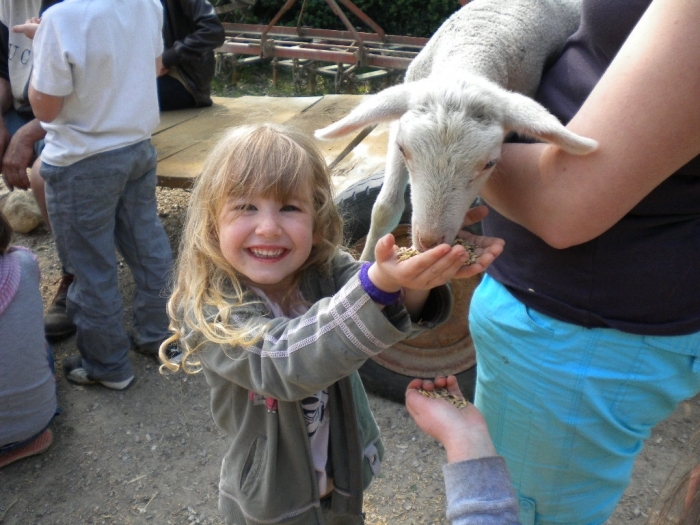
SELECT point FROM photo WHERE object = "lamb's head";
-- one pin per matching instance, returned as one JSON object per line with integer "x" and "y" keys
{"x": 450, "y": 140}
{"x": 450, "y": 135}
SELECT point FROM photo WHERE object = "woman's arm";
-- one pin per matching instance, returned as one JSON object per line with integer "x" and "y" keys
{"x": 645, "y": 115}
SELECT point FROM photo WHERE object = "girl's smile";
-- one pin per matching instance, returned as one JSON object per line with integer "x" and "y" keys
{"x": 265, "y": 253}
{"x": 266, "y": 240}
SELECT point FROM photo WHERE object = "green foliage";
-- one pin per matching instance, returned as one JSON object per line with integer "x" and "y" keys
{"x": 397, "y": 17}
{"x": 257, "y": 79}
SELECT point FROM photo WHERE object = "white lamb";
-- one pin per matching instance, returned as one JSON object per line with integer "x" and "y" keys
{"x": 456, "y": 105}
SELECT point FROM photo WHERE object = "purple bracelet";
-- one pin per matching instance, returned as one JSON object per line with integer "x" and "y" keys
{"x": 377, "y": 295}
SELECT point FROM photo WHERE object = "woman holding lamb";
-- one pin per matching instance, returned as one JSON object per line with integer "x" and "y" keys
{"x": 587, "y": 327}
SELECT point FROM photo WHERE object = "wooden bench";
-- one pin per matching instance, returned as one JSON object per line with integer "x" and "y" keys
{"x": 184, "y": 137}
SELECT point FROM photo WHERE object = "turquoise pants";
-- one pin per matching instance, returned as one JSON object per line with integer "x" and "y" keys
{"x": 570, "y": 407}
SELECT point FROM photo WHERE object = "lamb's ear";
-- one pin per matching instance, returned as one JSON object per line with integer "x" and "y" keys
{"x": 387, "y": 105}
{"x": 526, "y": 117}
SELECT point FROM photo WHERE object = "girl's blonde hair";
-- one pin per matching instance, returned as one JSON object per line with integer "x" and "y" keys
{"x": 263, "y": 159}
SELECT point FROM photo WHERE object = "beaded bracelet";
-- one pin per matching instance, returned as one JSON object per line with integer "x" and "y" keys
{"x": 377, "y": 295}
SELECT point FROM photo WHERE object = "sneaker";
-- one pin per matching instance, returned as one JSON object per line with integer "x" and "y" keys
{"x": 173, "y": 353}
{"x": 57, "y": 324}
{"x": 34, "y": 447}
{"x": 75, "y": 373}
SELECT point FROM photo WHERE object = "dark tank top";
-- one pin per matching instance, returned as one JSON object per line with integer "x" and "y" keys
{"x": 642, "y": 276}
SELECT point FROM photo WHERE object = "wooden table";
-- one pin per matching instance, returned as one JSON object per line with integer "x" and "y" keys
{"x": 184, "y": 137}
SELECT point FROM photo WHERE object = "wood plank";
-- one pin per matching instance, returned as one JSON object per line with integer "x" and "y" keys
{"x": 184, "y": 129}
{"x": 182, "y": 143}
{"x": 169, "y": 119}
{"x": 367, "y": 158}
{"x": 328, "y": 110}
{"x": 185, "y": 137}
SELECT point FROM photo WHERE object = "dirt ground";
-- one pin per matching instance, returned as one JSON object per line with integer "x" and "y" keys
{"x": 151, "y": 454}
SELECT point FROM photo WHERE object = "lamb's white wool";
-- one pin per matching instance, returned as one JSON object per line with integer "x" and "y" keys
{"x": 462, "y": 94}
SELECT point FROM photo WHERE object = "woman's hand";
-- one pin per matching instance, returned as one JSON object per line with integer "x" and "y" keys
{"x": 487, "y": 248}
{"x": 422, "y": 272}
{"x": 417, "y": 275}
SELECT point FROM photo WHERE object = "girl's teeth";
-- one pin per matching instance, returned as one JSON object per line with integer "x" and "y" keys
{"x": 267, "y": 253}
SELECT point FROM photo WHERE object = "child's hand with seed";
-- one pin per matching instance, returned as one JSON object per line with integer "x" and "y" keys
{"x": 481, "y": 250}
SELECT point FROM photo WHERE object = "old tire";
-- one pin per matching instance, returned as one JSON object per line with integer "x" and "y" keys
{"x": 445, "y": 350}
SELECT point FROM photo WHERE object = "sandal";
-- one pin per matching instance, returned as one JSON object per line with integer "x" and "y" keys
{"x": 34, "y": 447}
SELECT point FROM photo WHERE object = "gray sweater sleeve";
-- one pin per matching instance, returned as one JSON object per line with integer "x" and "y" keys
{"x": 479, "y": 492}
{"x": 296, "y": 357}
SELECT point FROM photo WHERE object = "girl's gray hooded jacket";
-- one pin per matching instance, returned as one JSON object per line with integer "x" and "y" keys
{"x": 267, "y": 475}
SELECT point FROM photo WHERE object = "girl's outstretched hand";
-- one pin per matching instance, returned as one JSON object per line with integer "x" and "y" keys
{"x": 417, "y": 275}
{"x": 488, "y": 248}
{"x": 438, "y": 265}
{"x": 462, "y": 431}
{"x": 424, "y": 271}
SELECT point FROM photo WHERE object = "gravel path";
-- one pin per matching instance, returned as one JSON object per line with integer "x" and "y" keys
{"x": 152, "y": 454}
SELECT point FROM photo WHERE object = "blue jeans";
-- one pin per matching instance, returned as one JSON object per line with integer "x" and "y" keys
{"x": 570, "y": 407}
{"x": 100, "y": 202}
{"x": 13, "y": 446}
{"x": 172, "y": 94}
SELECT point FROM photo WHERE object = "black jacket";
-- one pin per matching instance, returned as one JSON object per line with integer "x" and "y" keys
{"x": 191, "y": 32}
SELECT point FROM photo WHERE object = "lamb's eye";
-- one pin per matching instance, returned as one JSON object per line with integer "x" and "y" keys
{"x": 401, "y": 150}
{"x": 490, "y": 164}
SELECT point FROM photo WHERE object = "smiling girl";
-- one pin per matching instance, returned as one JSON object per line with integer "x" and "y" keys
{"x": 279, "y": 319}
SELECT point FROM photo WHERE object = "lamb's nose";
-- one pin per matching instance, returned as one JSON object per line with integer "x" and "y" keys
{"x": 425, "y": 242}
